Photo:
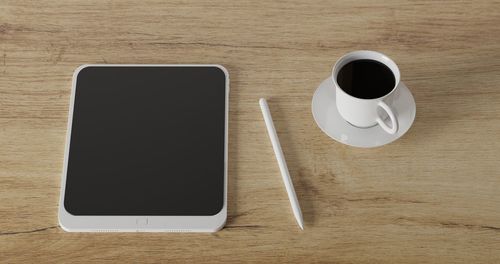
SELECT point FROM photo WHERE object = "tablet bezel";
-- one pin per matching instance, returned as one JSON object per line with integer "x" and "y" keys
{"x": 91, "y": 223}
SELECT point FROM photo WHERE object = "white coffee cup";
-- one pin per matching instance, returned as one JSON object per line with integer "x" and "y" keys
{"x": 367, "y": 112}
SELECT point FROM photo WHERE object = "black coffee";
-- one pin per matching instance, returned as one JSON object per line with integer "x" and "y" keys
{"x": 366, "y": 79}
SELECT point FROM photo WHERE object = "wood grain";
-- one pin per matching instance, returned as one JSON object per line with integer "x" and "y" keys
{"x": 431, "y": 196}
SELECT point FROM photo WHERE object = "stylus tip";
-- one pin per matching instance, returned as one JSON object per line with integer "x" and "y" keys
{"x": 301, "y": 225}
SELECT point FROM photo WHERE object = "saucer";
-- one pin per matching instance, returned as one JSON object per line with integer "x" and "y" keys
{"x": 327, "y": 117}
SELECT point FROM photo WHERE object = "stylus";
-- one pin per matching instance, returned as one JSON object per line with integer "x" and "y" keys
{"x": 281, "y": 162}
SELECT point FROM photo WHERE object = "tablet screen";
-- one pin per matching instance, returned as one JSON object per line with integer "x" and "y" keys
{"x": 147, "y": 140}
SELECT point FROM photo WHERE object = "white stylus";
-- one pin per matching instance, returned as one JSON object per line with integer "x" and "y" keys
{"x": 281, "y": 162}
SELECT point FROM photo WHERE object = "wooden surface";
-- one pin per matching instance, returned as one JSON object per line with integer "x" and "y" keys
{"x": 431, "y": 196}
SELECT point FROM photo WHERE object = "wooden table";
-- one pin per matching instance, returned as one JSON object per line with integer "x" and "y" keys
{"x": 431, "y": 196}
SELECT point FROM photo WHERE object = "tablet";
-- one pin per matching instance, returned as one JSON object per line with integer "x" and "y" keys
{"x": 146, "y": 149}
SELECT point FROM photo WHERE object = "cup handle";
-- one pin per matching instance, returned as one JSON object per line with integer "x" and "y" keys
{"x": 394, "y": 127}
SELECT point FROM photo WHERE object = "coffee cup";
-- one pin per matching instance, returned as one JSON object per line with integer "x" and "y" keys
{"x": 365, "y": 84}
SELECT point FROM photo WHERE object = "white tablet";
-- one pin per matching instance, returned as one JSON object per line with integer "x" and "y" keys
{"x": 146, "y": 149}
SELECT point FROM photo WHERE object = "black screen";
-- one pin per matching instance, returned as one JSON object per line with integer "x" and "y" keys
{"x": 147, "y": 141}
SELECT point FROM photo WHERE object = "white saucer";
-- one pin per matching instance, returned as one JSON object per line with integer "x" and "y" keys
{"x": 327, "y": 117}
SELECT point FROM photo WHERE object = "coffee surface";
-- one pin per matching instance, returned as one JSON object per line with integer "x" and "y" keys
{"x": 366, "y": 79}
